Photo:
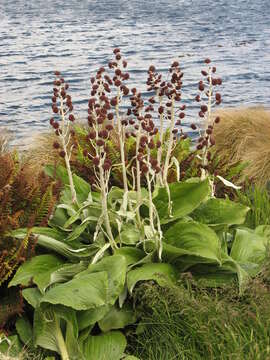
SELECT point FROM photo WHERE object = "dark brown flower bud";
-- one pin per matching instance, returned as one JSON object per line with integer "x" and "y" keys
{"x": 151, "y": 144}
{"x": 207, "y": 61}
{"x": 117, "y": 83}
{"x": 175, "y": 64}
{"x": 161, "y": 110}
{"x": 144, "y": 168}
{"x": 201, "y": 114}
{"x": 110, "y": 116}
{"x": 107, "y": 165}
{"x": 175, "y": 131}
{"x": 116, "y": 50}
{"x": 214, "y": 69}
{"x": 92, "y": 135}
{"x": 214, "y": 81}
{"x": 51, "y": 121}
{"x": 201, "y": 86}
{"x": 114, "y": 101}
{"x": 157, "y": 169}
{"x": 96, "y": 160}
{"x": 62, "y": 153}
{"x": 158, "y": 144}
{"x": 152, "y": 68}
{"x": 125, "y": 76}
{"x": 55, "y": 125}
{"x": 204, "y": 108}
{"x": 212, "y": 140}
{"x": 109, "y": 127}
{"x": 181, "y": 115}
{"x": 193, "y": 126}
{"x": 219, "y": 81}
{"x": 71, "y": 117}
{"x": 199, "y": 146}
{"x": 204, "y": 73}
{"x": 198, "y": 98}
{"x": 209, "y": 131}
{"x": 124, "y": 63}
{"x": 100, "y": 142}
{"x": 118, "y": 56}
{"x": 217, "y": 119}
{"x": 56, "y": 145}
{"x": 55, "y": 109}
{"x": 218, "y": 96}
{"x": 54, "y": 99}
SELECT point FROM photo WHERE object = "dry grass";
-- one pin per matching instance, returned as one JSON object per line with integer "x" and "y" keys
{"x": 243, "y": 134}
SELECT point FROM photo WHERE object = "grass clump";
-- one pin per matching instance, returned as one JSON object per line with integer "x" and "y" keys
{"x": 186, "y": 323}
{"x": 244, "y": 135}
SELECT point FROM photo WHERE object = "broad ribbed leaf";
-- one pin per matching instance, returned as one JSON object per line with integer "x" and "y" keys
{"x": 46, "y": 238}
{"x": 25, "y": 331}
{"x": 186, "y": 197}
{"x": 109, "y": 346}
{"x": 38, "y": 270}
{"x": 32, "y": 296}
{"x": 82, "y": 293}
{"x": 129, "y": 235}
{"x": 220, "y": 212}
{"x": 132, "y": 254}
{"x": 67, "y": 272}
{"x": 116, "y": 268}
{"x": 47, "y": 325}
{"x": 90, "y": 317}
{"x": 117, "y": 319}
{"x": 163, "y": 274}
{"x": 196, "y": 242}
{"x": 249, "y": 250}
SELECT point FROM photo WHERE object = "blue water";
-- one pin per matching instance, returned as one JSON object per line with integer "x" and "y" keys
{"x": 77, "y": 36}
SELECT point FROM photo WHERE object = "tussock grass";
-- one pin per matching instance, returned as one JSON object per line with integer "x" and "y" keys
{"x": 243, "y": 134}
{"x": 190, "y": 324}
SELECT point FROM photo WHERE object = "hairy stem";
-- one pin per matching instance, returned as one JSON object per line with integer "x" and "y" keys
{"x": 67, "y": 162}
{"x": 121, "y": 134}
{"x": 168, "y": 156}
{"x": 159, "y": 154}
{"x": 209, "y": 108}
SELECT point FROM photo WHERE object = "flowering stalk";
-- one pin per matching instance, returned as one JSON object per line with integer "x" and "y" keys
{"x": 62, "y": 128}
{"x": 207, "y": 140}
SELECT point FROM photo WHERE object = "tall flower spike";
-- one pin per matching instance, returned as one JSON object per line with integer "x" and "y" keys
{"x": 62, "y": 107}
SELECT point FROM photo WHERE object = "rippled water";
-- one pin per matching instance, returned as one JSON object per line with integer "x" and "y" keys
{"x": 76, "y": 37}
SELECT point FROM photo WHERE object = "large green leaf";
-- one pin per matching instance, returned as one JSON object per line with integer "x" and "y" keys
{"x": 81, "y": 293}
{"x": 129, "y": 235}
{"x": 186, "y": 197}
{"x": 249, "y": 250}
{"x": 117, "y": 319}
{"x": 67, "y": 272}
{"x": 90, "y": 317}
{"x": 47, "y": 325}
{"x": 116, "y": 268}
{"x": 220, "y": 212}
{"x": 32, "y": 296}
{"x": 132, "y": 254}
{"x": 162, "y": 273}
{"x": 38, "y": 270}
{"x": 109, "y": 346}
{"x": 47, "y": 238}
{"x": 195, "y": 242}
{"x": 25, "y": 332}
